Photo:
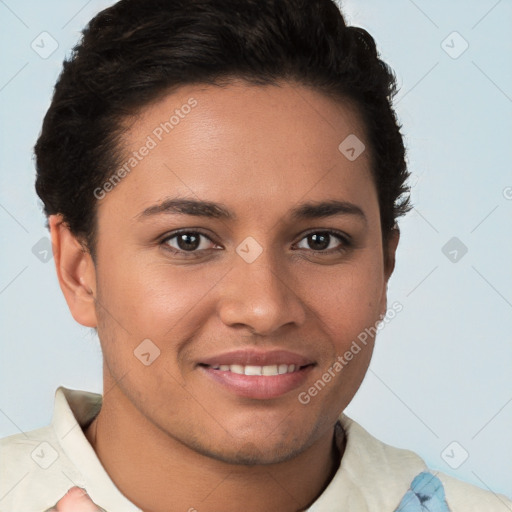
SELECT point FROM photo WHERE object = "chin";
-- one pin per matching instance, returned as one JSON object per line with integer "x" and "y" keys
{"x": 252, "y": 452}
{"x": 251, "y": 455}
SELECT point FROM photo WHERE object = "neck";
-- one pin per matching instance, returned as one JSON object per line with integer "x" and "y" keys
{"x": 158, "y": 473}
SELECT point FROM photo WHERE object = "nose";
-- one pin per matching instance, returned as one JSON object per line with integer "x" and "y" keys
{"x": 260, "y": 296}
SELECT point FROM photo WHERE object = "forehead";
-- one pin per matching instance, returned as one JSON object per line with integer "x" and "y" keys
{"x": 245, "y": 144}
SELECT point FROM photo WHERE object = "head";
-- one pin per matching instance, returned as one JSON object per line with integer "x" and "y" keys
{"x": 262, "y": 131}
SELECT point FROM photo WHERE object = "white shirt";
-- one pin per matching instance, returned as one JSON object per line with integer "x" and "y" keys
{"x": 37, "y": 468}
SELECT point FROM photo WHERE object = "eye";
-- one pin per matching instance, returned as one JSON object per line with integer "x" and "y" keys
{"x": 188, "y": 242}
{"x": 325, "y": 241}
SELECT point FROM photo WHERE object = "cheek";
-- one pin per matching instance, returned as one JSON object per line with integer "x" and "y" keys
{"x": 149, "y": 299}
{"x": 347, "y": 305}
{"x": 348, "y": 313}
{"x": 349, "y": 299}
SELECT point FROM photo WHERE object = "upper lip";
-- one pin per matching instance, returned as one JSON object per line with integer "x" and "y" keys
{"x": 257, "y": 358}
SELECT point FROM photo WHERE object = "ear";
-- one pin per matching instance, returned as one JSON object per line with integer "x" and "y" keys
{"x": 75, "y": 271}
{"x": 390, "y": 244}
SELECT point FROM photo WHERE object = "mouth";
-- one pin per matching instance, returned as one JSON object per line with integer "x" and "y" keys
{"x": 258, "y": 375}
{"x": 253, "y": 370}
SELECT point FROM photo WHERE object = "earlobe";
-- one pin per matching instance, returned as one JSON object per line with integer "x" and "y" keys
{"x": 75, "y": 271}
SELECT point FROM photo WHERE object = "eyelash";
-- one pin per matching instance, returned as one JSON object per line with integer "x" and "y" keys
{"x": 345, "y": 241}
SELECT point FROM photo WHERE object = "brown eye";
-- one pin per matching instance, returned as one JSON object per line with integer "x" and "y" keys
{"x": 188, "y": 241}
{"x": 324, "y": 241}
{"x": 319, "y": 241}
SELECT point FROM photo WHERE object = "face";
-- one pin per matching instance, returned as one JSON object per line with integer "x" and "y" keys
{"x": 246, "y": 249}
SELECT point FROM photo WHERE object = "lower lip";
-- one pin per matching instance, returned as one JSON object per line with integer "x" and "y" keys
{"x": 257, "y": 386}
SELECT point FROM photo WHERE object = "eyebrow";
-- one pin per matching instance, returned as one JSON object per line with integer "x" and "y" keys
{"x": 322, "y": 209}
{"x": 208, "y": 209}
{"x": 188, "y": 207}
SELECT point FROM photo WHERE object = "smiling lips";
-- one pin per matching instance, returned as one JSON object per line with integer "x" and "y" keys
{"x": 267, "y": 370}
{"x": 258, "y": 375}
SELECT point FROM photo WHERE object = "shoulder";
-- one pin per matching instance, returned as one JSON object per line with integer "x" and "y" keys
{"x": 464, "y": 497}
{"x": 34, "y": 471}
{"x": 369, "y": 454}
{"x": 384, "y": 474}
{"x": 372, "y": 477}
{"x": 27, "y": 451}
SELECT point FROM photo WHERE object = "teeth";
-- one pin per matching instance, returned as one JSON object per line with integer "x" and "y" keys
{"x": 236, "y": 368}
{"x": 253, "y": 370}
{"x": 268, "y": 371}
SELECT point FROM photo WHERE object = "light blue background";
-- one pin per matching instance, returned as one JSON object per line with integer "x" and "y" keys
{"x": 442, "y": 368}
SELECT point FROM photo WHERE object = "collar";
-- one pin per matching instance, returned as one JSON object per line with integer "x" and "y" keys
{"x": 372, "y": 475}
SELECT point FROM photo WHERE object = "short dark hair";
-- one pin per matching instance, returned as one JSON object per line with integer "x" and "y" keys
{"x": 136, "y": 51}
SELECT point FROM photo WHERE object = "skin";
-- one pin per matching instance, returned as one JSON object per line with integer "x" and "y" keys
{"x": 75, "y": 500}
{"x": 171, "y": 438}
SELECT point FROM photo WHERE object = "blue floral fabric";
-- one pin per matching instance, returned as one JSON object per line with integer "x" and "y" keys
{"x": 426, "y": 494}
